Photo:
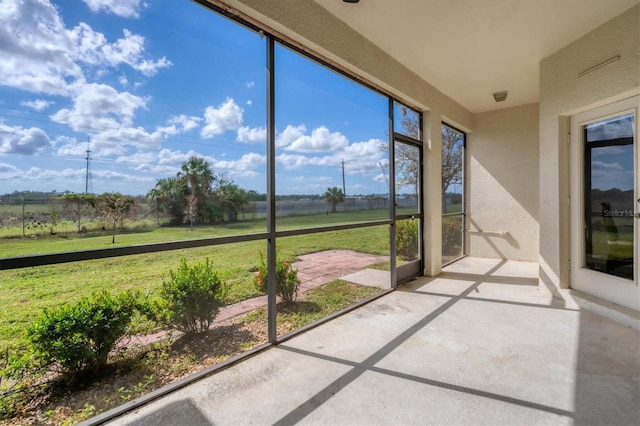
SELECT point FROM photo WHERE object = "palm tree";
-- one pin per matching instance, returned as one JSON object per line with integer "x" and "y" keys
{"x": 231, "y": 198}
{"x": 171, "y": 192}
{"x": 197, "y": 174}
{"x": 198, "y": 178}
{"x": 334, "y": 196}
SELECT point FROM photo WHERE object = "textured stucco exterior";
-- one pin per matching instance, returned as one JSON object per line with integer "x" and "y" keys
{"x": 502, "y": 184}
{"x": 562, "y": 94}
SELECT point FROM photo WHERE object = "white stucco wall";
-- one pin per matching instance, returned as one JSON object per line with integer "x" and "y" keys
{"x": 502, "y": 184}
{"x": 562, "y": 94}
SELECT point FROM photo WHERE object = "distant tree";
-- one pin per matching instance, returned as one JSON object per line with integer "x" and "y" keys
{"x": 78, "y": 201}
{"x": 253, "y": 195}
{"x": 451, "y": 159}
{"x": 231, "y": 198}
{"x": 197, "y": 194}
{"x": 115, "y": 207}
{"x": 171, "y": 193}
{"x": 196, "y": 174}
{"x": 407, "y": 165}
{"x": 334, "y": 196}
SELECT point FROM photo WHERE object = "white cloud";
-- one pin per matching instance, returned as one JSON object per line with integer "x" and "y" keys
{"x": 321, "y": 140}
{"x": 359, "y": 158}
{"x": 228, "y": 116}
{"x": 167, "y": 156}
{"x": 37, "y": 104}
{"x": 70, "y": 147}
{"x": 252, "y": 135}
{"x": 18, "y": 140}
{"x": 179, "y": 124}
{"x": 290, "y": 134}
{"x": 601, "y": 165}
{"x": 92, "y": 48}
{"x": 249, "y": 102}
{"x": 113, "y": 175}
{"x": 381, "y": 177}
{"x": 122, "y": 8}
{"x": 8, "y": 171}
{"x": 99, "y": 107}
{"x": 186, "y": 122}
{"x": 250, "y": 84}
{"x": 153, "y": 168}
{"x": 138, "y": 158}
{"x": 245, "y": 166}
{"x": 297, "y": 161}
{"x": 37, "y": 173}
{"x": 40, "y": 55}
{"x": 365, "y": 149}
{"x": 36, "y": 49}
{"x": 619, "y": 127}
{"x": 116, "y": 141}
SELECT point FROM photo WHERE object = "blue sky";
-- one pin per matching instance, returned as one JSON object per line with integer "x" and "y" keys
{"x": 612, "y": 166}
{"x": 151, "y": 83}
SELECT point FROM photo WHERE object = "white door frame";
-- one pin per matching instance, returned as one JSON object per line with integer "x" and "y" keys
{"x": 608, "y": 287}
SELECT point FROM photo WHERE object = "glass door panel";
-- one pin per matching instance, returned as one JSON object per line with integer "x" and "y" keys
{"x": 609, "y": 196}
{"x": 604, "y": 202}
{"x": 408, "y": 213}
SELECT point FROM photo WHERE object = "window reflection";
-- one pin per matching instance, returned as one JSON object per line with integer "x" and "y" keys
{"x": 453, "y": 219}
{"x": 609, "y": 196}
{"x": 406, "y": 121}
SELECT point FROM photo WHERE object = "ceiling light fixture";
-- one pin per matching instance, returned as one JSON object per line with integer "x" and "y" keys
{"x": 500, "y": 96}
{"x": 351, "y": 1}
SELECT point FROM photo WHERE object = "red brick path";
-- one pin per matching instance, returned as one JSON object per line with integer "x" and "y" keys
{"x": 314, "y": 270}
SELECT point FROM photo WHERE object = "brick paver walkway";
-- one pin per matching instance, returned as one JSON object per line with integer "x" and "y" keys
{"x": 314, "y": 270}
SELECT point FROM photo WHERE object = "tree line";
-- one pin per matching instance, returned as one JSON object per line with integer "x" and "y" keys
{"x": 197, "y": 195}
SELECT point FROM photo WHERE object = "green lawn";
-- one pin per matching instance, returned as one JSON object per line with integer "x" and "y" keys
{"x": 146, "y": 233}
{"x": 25, "y": 292}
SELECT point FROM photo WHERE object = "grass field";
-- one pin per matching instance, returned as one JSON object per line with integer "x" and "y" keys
{"x": 25, "y": 292}
{"x": 144, "y": 233}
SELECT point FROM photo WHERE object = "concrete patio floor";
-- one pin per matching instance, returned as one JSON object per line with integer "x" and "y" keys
{"x": 480, "y": 344}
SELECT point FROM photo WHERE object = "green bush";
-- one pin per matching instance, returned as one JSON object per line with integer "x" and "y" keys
{"x": 191, "y": 297}
{"x": 407, "y": 239}
{"x": 451, "y": 235}
{"x": 15, "y": 388}
{"x": 80, "y": 336}
{"x": 287, "y": 281}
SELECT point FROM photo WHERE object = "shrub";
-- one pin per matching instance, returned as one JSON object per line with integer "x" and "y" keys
{"x": 191, "y": 297}
{"x": 80, "y": 336}
{"x": 287, "y": 281}
{"x": 15, "y": 389}
{"x": 451, "y": 235}
{"x": 407, "y": 239}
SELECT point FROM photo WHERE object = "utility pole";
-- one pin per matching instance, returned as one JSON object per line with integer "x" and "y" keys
{"x": 344, "y": 191}
{"x": 88, "y": 185}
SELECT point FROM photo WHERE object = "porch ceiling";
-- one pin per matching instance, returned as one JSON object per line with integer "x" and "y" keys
{"x": 469, "y": 49}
